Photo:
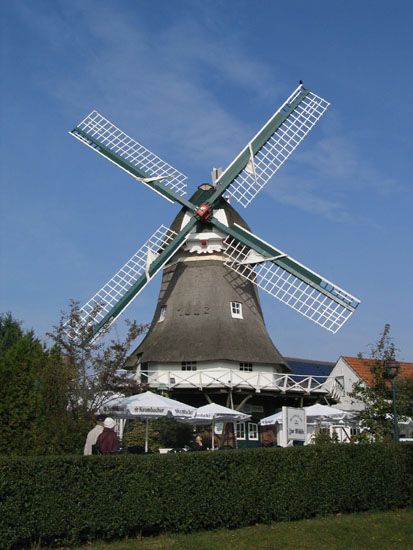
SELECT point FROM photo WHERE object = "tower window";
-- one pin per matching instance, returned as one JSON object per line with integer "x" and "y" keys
{"x": 162, "y": 314}
{"x": 236, "y": 310}
{"x": 245, "y": 367}
{"x": 188, "y": 365}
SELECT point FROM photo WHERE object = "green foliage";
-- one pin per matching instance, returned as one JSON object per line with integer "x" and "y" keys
{"x": 21, "y": 366}
{"x": 10, "y": 331}
{"x": 164, "y": 432}
{"x": 322, "y": 437}
{"x": 376, "y": 416}
{"x": 174, "y": 434}
{"x": 94, "y": 365}
{"x": 361, "y": 530}
{"x": 66, "y": 500}
{"x": 48, "y": 396}
{"x": 34, "y": 386}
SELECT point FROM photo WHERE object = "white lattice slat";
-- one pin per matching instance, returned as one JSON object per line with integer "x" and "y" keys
{"x": 114, "y": 290}
{"x": 115, "y": 140}
{"x": 278, "y": 148}
{"x": 291, "y": 290}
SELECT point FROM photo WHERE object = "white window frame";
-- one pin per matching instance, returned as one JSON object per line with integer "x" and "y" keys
{"x": 253, "y": 431}
{"x": 188, "y": 366}
{"x": 240, "y": 430}
{"x": 236, "y": 310}
{"x": 162, "y": 314}
{"x": 245, "y": 367}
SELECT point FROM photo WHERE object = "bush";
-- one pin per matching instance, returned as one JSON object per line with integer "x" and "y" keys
{"x": 67, "y": 500}
{"x": 163, "y": 432}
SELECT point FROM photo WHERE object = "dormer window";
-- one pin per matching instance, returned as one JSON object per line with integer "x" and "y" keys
{"x": 162, "y": 314}
{"x": 245, "y": 367}
{"x": 188, "y": 365}
{"x": 236, "y": 310}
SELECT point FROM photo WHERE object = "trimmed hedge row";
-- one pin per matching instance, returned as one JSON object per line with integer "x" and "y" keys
{"x": 66, "y": 500}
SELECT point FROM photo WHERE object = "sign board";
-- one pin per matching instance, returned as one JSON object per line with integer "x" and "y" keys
{"x": 252, "y": 408}
{"x": 219, "y": 428}
{"x": 294, "y": 424}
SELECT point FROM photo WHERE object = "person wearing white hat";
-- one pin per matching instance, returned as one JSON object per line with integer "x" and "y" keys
{"x": 93, "y": 435}
{"x": 108, "y": 441}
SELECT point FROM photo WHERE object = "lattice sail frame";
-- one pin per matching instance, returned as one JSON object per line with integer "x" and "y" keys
{"x": 115, "y": 140}
{"x": 94, "y": 311}
{"x": 292, "y": 291}
{"x": 268, "y": 160}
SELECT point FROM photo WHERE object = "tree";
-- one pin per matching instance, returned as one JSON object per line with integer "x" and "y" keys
{"x": 48, "y": 396}
{"x": 377, "y": 414}
{"x": 22, "y": 360}
{"x": 322, "y": 436}
{"x": 93, "y": 367}
{"x": 10, "y": 331}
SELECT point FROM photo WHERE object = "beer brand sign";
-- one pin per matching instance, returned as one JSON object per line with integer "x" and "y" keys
{"x": 294, "y": 422}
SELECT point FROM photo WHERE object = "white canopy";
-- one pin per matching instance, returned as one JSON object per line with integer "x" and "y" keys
{"x": 271, "y": 420}
{"x": 312, "y": 412}
{"x": 146, "y": 406}
{"x": 212, "y": 413}
{"x": 216, "y": 413}
{"x": 324, "y": 410}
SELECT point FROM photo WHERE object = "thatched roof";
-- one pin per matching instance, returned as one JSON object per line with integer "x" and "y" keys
{"x": 198, "y": 326}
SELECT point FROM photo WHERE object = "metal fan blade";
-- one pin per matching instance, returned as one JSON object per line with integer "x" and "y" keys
{"x": 251, "y": 170}
{"x": 109, "y": 302}
{"x": 289, "y": 281}
{"x": 98, "y": 133}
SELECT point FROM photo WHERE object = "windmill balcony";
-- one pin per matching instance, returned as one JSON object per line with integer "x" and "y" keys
{"x": 230, "y": 378}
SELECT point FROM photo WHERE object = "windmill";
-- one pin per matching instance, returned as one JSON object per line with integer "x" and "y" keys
{"x": 246, "y": 255}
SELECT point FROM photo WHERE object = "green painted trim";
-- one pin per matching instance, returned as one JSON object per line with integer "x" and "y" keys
{"x": 269, "y": 129}
{"x": 286, "y": 263}
{"x": 155, "y": 185}
{"x": 142, "y": 281}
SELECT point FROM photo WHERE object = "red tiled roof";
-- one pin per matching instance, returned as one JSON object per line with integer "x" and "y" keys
{"x": 362, "y": 368}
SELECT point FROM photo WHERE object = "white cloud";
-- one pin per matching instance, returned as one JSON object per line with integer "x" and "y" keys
{"x": 174, "y": 86}
{"x": 157, "y": 81}
{"x": 327, "y": 177}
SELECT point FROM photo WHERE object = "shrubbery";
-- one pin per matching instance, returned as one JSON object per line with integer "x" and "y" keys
{"x": 55, "y": 500}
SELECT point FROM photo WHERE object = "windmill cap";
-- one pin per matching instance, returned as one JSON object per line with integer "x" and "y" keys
{"x": 109, "y": 423}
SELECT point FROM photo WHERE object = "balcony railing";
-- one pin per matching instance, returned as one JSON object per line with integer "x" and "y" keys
{"x": 257, "y": 381}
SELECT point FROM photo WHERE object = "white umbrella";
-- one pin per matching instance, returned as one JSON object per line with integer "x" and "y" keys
{"x": 271, "y": 420}
{"x": 211, "y": 413}
{"x": 311, "y": 411}
{"x": 146, "y": 406}
{"x": 318, "y": 410}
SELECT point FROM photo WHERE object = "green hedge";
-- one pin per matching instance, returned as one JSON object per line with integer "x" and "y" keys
{"x": 65, "y": 500}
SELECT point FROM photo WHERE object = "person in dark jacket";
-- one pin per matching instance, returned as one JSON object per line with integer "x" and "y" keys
{"x": 198, "y": 445}
{"x": 108, "y": 441}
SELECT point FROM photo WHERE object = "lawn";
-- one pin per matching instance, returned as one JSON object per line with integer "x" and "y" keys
{"x": 378, "y": 531}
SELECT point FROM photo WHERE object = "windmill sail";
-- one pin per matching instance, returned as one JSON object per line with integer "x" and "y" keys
{"x": 270, "y": 269}
{"x": 109, "y": 302}
{"x": 257, "y": 163}
{"x": 305, "y": 291}
{"x": 98, "y": 133}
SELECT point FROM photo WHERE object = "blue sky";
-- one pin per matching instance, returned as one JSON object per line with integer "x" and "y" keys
{"x": 193, "y": 81}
